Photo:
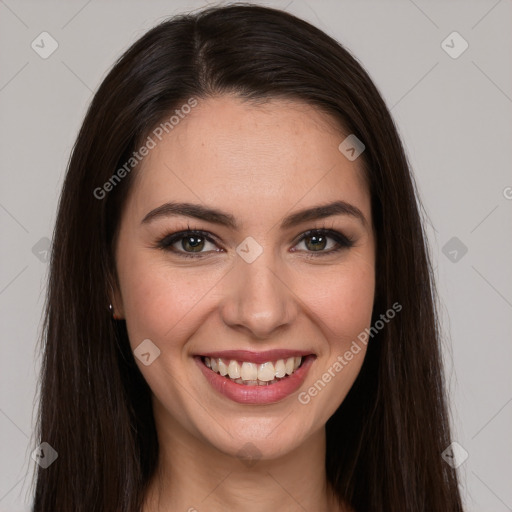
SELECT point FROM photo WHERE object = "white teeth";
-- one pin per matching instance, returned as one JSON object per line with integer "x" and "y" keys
{"x": 249, "y": 371}
{"x": 234, "y": 370}
{"x": 254, "y": 374}
{"x": 266, "y": 372}
{"x": 223, "y": 369}
{"x": 280, "y": 368}
{"x": 289, "y": 365}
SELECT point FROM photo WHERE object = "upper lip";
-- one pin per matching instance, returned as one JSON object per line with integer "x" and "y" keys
{"x": 256, "y": 357}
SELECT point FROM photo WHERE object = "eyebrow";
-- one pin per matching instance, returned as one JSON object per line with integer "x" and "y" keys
{"x": 216, "y": 216}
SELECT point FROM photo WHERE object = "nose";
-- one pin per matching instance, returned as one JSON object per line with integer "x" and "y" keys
{"x": 258, "y": 299}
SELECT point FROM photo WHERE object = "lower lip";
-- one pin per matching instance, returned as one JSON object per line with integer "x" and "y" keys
{"x": 260, "y": 395}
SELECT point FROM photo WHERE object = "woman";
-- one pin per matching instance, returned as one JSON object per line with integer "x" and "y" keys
{"x": 240, "y": 312}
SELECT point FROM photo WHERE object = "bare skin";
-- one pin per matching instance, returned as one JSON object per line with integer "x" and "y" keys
{"x": 258, "y": 163}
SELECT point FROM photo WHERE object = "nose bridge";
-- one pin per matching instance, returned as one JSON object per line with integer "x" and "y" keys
{"x": 258, "y": 299}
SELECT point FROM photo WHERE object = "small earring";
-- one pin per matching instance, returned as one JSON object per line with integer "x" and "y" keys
{"x": 114, "y": 316}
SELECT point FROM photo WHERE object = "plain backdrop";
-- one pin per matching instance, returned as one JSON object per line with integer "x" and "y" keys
{"x": 453, "y": 112}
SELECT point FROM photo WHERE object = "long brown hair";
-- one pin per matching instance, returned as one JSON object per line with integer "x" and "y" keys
{"x": 384, "y": 442}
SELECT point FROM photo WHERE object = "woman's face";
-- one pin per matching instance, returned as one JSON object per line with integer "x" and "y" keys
{"x": 250, "y": 289}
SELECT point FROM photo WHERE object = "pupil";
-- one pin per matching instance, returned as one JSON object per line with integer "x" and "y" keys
{"x": 193, "y": 242}
{"x": 316, "y": 238}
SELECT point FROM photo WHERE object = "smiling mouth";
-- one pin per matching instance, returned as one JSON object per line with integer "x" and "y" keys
{"x": 253, "y": 374}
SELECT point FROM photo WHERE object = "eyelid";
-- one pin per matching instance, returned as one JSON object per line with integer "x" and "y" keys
{"x": 328, "y": 232}
{"x": 170, "y": 239}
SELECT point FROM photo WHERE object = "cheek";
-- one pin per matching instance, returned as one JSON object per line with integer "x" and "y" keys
{"x": 158, "y": 300}
{"x": 342, "y": 305}
{"x": 342, "y": 301}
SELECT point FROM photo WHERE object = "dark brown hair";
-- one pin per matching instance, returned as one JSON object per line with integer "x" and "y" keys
{"x": 384, "y": 443}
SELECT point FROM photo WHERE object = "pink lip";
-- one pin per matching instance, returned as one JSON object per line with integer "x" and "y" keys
{"x": 259, "y": 395}
{"x": 256, "y": 357}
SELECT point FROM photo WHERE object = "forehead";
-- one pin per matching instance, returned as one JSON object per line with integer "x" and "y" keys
{"x": 242, "y": 156}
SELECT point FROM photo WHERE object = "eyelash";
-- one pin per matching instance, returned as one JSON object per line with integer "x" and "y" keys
{"x": 167, "y": 241}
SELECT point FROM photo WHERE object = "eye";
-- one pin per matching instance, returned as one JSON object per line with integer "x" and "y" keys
{"x": 192, "y": 243}
{"x": 188, "y": 243}
{"x": 316, "y": 240}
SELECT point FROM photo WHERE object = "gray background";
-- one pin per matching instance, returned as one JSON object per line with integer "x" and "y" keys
{"x": 454, "y": 115}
